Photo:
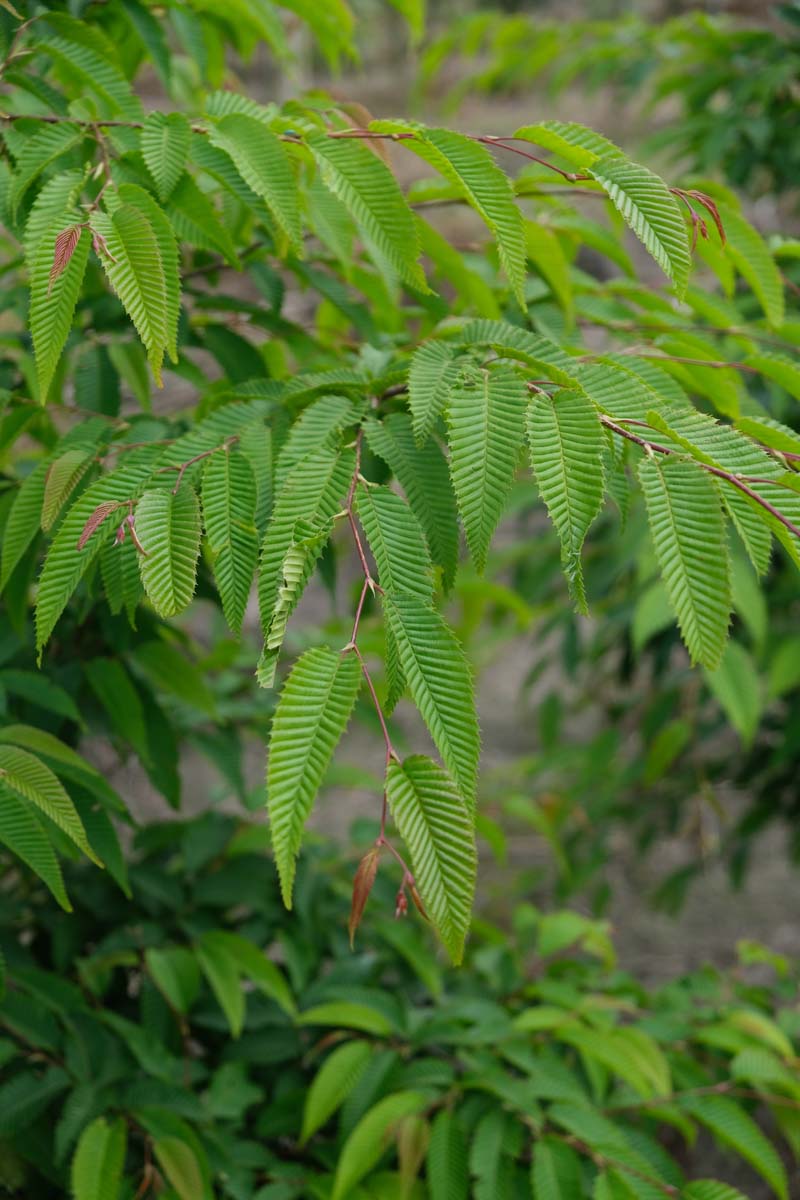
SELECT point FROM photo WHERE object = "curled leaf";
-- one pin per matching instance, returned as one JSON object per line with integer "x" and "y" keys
{"x": 362, "y": 886}
{"x": 64, "y": 249}
{"x": 97, "y": 518}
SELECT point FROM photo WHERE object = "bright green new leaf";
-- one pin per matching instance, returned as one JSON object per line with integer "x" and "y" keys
{"x": 168, "y": 529}
{"x": 436, "y": 825}
{"x": 179, "y": 1163}
{"x": 575, "y": 143}
{"x": 754, "y": 262}
{"x": 312, "y": 714}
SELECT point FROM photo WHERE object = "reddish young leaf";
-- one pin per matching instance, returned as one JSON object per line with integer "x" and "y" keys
{"x": 710, "y": 206}
{"x": 96, "y": 519}
{"x": 362, "y": 886}
{"x": 66, "y": 242}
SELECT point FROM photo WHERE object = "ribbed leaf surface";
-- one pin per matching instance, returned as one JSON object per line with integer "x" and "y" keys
{"x": 566, "y": 442}
{"x": 131, "y": 193}
{"x": 314, "y": 491}
{"x": 52, "y": 304}
{"x": 470, "y": 166}
{"x": 733, "y": 1127}
{"x": 63, "y": 476}
{"x": 577, "y": 144}
{"x": 119, "y": 569}
{"x": 651, "y": 211}
{"x": 168, "y": 527}
{"x": 440, "y": 683}
{"x": 437, "y": 828}
{"x": 369, "y": 191}
{"x": 332, "y": 1084}
{"x": 511, "y": 341}
{"x": 99, "y": 1160}
{"x": 263, "y": 163}
{"x": 165, "y": 148}
{"x": 195, "y": 219}
{"x": 24, "y": 520}
{"x": 422, "y": 473}
{"x": 298, "y": 565}
{"x": 751, "y": 527}
{"x": 137, "y": 275}
{"x": 753, "y": 260}
{"x": 22, "y": 832}
{"x": 555, "y": 1170}
{"x": 229, "y": 505}
{"x": 397, "y": 542}
{"x": 446, "y": 1160}
{"x": 683, "y": 507}
{"x": 370, "y": 1138}
{"x": 56, "y": 197}
{"x": 65, "y": 565}
{"x": 26, "y": 775}
{"x": 486, "y": 421}
{"x": 38, "y": 151}
{"x": 433, "y": 371}
{"x": 312, "y": 714}
{"x": 316, "y": 427}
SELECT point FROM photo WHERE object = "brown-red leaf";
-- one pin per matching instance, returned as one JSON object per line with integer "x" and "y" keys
{"x": 362, "y": 886}
{"x": 96, "y": 519}
{"x": 66, "y": 242}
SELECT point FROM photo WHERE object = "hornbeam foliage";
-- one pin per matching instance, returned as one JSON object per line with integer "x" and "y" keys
{"x": 151, "y": 248}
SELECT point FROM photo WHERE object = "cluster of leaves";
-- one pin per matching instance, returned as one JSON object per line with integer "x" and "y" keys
{"x": 198, "y": 1041}
{"x": 276, "y": 458}
{"x": 732, "y": 81}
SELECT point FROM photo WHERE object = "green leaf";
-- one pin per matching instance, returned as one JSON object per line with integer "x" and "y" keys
{"x": 22, "y": 832}
{"x": 436, "y": 825}
{"x": 512, "y": 341}
{"x": 264, "y": 165}
{"x": 566, "y": 443}
{"x": 255, "y": 966}
{"x": 347, "y": 1014}
{"x": 753, "y": 260}
{"x": 651, "y": 211}
{"x": 173, "y": 673}
{"x": 26, "y": 775}
{"x": 433, "y": 371}
{"x": 298, "y": 565}
{"x": 168, "y": 528}
{"x": 312, "y": 714}
{"x": 440, "y": 682}
{"x": 119, "y": 567}
{"x": 176, "y": 975}
{"x": 397, "y": 542}
{"x": 446, "y": 1160}
{"x": 486, "y": 422}
{"x": 422, "y": 473}
{"x": 369, "y": 1140}
{"x": 369, "y": 191}
{"x": 222, "y": 973}
{"x": 53, "y": 300}
{"x": 40, "y": 690}
{"x": 711, "y": 1189}
{"x": 179, "y": 1163}
{"x": 477, "y": 177}
{"x": 38, "y": 151}
{"x": 555, "y": 1170}
{"x": 24, "y": 520}
{"x": 96, "y": 1172}
{"x": 736, "y": 685}
{"x": 544, "y": 250}
{"x": 733, "y": 1127}
{"x": 63, "y": 476}
{"x": 314, "y": 492}
{"x": 132, "y": 259}
{"x": 166, "y": 138}
{"x": 332, "y": 1084}
{"x": 575, "y": 143}
{"x": 229, "y": 505}
{"x": 195, "y": 220}
{"x": 688, "y": 532}
{"x": 114, "y": 689}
